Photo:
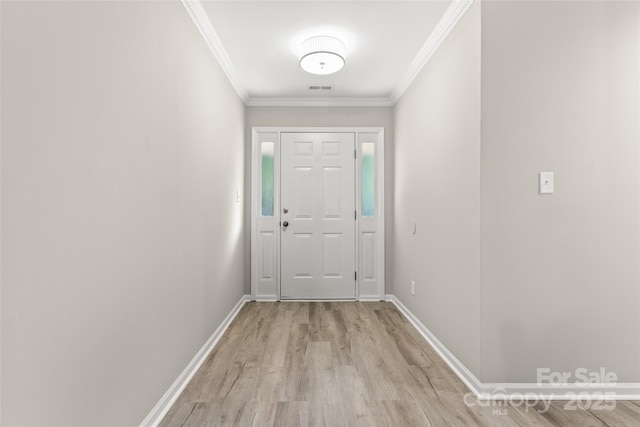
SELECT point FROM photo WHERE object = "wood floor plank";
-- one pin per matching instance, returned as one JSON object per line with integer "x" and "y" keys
{"x": 339, "y": 337}
{"x": 419, "y": 385}
{"x": 317, "y": 375}
{"x": 299, "y": 312}
{"x": 317, "y": 326}
{"x": 559, "y": 416}
{"x": 296, "y": 349}
{"x": 404, "y": 341}
{"x": 525, "y": 414}
{"x": 444, "y": 380}
{"x": 229, "y": 412}
{"x": 239, "y": 383}
{"x": 198, "y": 415}
{"x": 274, "y": 347}
{"x": 373, "y": 369}
{"x": 316, "y": 364}
{"x": 617, "y": 413}
{"x": 292, "y": 414}
{"x": 351, "y": 389}
{"x": 178, "y": 414}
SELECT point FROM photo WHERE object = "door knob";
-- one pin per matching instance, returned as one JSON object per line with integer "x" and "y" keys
{"x": 285, "y": 224}
{"x": 285, "y": 210}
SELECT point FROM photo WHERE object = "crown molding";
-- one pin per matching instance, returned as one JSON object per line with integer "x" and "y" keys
{"x": 452, "y": 16}
{"x": 203, "y": 23}
{"x": 319, "y": 102}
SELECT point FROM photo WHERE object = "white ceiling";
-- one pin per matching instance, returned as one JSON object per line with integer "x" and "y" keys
{"x": 387, "y": 43}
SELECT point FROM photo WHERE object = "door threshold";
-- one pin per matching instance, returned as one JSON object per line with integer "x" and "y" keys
{"x": 317, "y": 300}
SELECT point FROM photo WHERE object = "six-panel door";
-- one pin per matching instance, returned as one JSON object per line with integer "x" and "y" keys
{"x": 317, "y": 216}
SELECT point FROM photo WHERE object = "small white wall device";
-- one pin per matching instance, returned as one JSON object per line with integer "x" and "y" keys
{"x": 546, "y": 182}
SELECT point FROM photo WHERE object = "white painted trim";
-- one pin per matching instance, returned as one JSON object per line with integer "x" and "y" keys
{"x": 516, "y": 391}
{"x": 451, "y": 17}
{"x": 162, "y": 407}
{"x": 317, "y": 300}
{"x": 265, "y": 299}
{"x": 203, "y": 23}
{"x": 371, "y": 299}
{"x": 382, "y": 217}
{"x": 319, "y": 102}
{"x": 571, "y": 391}
{"x": 0, "y": 225}
{"x": 253, "y": 200}
{"x": 298, "y": 129}
{"x": 258, "y": 291}
{"x": 255, "y": 132}
{"x": 376, "y": 224}
{"x": 456, "y": 366}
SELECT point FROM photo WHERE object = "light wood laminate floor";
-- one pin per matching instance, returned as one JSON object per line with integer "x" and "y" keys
{"x": 345, "y": 364}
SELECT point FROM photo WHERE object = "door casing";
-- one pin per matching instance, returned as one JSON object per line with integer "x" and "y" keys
{"x": 265, "y": 230}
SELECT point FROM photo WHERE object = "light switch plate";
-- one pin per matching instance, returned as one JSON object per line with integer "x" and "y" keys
{"x": 546, "y": 182}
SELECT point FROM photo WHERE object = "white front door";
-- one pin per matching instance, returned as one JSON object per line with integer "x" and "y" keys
{"x": 317, "y": 231}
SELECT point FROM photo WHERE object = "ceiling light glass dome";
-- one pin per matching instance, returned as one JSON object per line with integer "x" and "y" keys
{"x": 322, "y": 55}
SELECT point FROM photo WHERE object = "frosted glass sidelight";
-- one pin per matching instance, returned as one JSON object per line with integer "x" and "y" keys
{"x": 266, "y": 168}
{"x": 368, "y": 180}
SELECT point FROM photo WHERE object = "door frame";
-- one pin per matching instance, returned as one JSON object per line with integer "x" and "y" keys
{"x": 265, "y": 231}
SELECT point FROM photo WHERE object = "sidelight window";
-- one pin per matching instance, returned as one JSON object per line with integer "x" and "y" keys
{"x": 368, "y": 180}
{"x": 266, "y": 168}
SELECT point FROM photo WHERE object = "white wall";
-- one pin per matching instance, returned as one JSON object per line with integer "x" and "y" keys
{"x": 437, "y": 186}
{"x": 561, "y": 278}
{"x": 122, "y": 244}
{"x": 510, "y": 280}
{"x": 327, "y": 117}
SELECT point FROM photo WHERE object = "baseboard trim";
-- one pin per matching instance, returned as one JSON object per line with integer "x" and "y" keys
{"x": 510, "y": 391}
{"x": 571, "y": 391}
{"x": 371, "y": 298}
{"x": 265, "y": 298}
{"x": 162, "y": 407}
{"x": 274, "y": 299}
{"x": 456, "y": 366}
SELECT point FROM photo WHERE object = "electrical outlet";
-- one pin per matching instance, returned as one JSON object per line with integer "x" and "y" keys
{"x": 413, "y": 287}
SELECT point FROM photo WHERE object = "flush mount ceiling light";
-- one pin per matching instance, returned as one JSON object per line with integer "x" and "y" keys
{"x": 322, "y": 55}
